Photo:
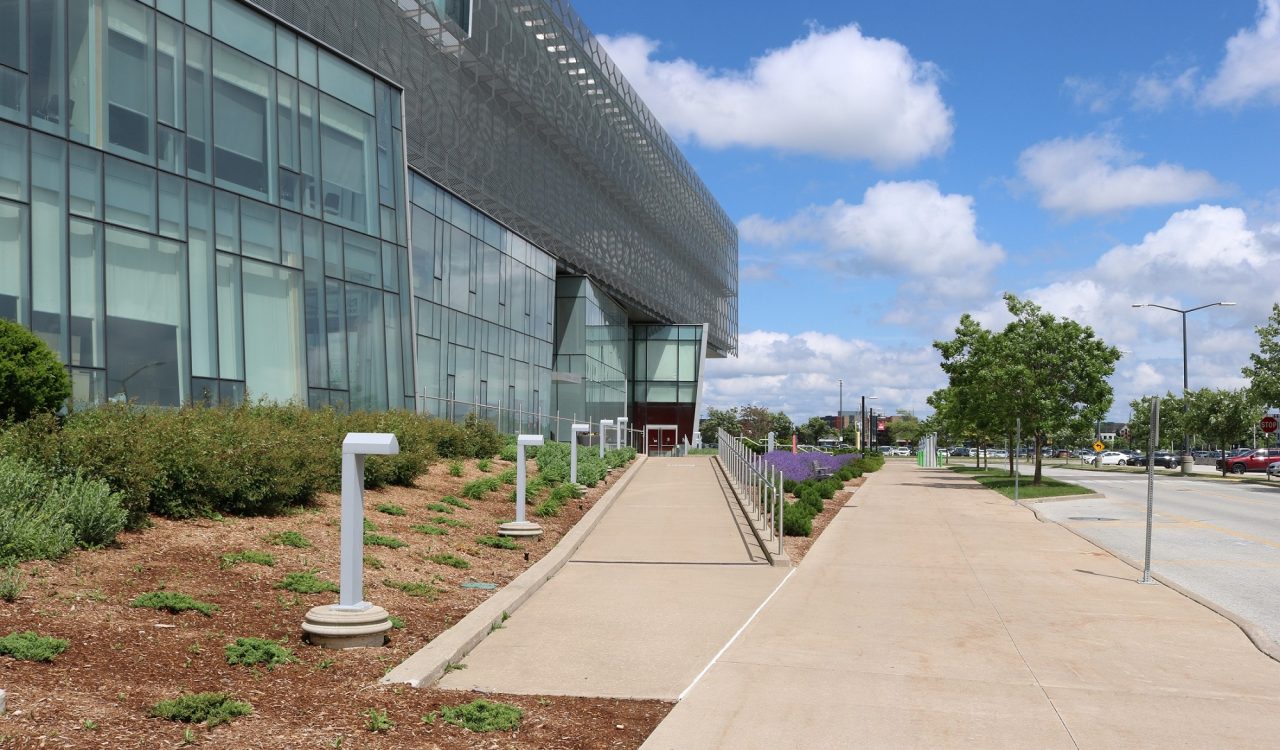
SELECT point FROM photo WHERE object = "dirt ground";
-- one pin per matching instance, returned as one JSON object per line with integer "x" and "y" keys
{"x": 122, "y": 660}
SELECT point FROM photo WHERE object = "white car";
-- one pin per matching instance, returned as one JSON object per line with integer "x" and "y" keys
{"x": 1108, "y": 458}
{"x": 902, "y": 450}
{"x": 1273, "y": 469}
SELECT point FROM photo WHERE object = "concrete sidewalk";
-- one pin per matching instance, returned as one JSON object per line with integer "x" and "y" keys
{"x": 661, "y": 584}
{"x": 934, "y": 613}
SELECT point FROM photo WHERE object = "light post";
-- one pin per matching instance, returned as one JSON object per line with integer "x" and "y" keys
{"x": 603, "y": 424}
{"x": 622, "y": 427}
{"x": 840, "y": 410}
{"x": 866, "y": 423}
{"x": 1187, "y": 460}
{"x": 521, "y": 526}
{"x": 575, "y": 430}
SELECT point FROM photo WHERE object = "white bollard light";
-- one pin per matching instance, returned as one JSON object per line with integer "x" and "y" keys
{"x": 622, "y": 427}
{"x": 520, "y": 526}
{"x": 352, "y": 622}
{"x": 772, "y": 442}
{"x": 604, "y": 423}
{"x": 574, "y": 430}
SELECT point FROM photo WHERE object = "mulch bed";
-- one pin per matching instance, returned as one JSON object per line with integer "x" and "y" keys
{"x": 798, "y": 546}
{"x": 122, "y": 660}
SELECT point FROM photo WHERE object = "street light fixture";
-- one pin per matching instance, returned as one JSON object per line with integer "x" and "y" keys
{"x": 840, "y": 410}
{"x": 1187, "y": 460}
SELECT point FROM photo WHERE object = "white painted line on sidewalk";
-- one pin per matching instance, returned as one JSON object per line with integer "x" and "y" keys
{"x": 726, "y": 646}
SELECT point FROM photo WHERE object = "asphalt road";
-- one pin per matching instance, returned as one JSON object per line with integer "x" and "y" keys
{"x": 1220, "y": 540}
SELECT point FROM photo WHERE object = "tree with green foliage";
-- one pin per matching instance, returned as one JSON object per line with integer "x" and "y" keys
{"x": 1224, "y": 415}
{"x": 1049, "y": 372}
{"x": 756, "y": 422}
{"x": 814, "y": 430}
{"x": 32, "y": 380}
{"x": 905, "y": 427}
{"x": 717, "y": 419}
{"x": 1263, "y": 370}
{"x": 1172, "y": 425}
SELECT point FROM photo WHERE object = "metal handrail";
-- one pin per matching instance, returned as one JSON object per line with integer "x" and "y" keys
{"x": 757, "y": 482}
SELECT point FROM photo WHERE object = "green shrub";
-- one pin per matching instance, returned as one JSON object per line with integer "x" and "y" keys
{"x": 455, "y": 468}
{"x": 379, "y": 540}
{"x": 12, "y": 583}
{"x": 483, "y": 438}
{"x": 247, "y": 556}
{"x": 373, "y": 562}
{"x": 789, "y": 486}
{"x": 507, "y": 476}
{"x": 827, "y": 488}
{"x": 619, "y": 457}
{"x": 452, "y": 561}
{"x": 477, "y": 489}
{"x": 32, "y": 380}
{"x": 289, "y": 539}
{"x": 426, "y": 528}
{"x": 591, "y": 470}
{"x": 251, "y": 651}
{"x": 305, "y": 582}
{"x": 811, "y": 500}
{"x": 439, "y": 508}
{"x": 391, "y": 509}
{"x": 485, "y": 465}
{"x": 479, "y": 716}
{"x": 377, "y": 721}
{"x": 43, "y": 518}
{"x": 455, "y": 502}
{"x": 797, "y": 520}
{"x": 29, "y": 646}
{"x": 553, "y": 462}
{"x": 171, "y": 601}
{"x": 497, "y": 542}
{"x": 508, "y": 452}
{"x": 211, "y": 709}
{"x": 451, "y": 522}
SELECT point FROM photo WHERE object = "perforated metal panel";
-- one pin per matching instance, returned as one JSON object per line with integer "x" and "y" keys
{"x": 529, "y": 120}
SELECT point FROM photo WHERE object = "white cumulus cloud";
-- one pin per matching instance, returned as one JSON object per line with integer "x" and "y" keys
{"x": 833, "y": 93}
{"x": 798, "y": 373}
{"x": 900, "y": 229}
{"x": 1251, "y": 67}
{"x": 1097, "y": 175}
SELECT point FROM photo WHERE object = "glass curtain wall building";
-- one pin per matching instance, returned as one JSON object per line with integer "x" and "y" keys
{"x": 450, "y": 206}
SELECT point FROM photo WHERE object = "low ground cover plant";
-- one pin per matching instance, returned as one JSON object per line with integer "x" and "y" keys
{"x": 247, "y": 556}
{"x": 497, "y": 542}
{"x": 31, "y": 646}
{"x": 289, "y": 539}
{"x": 173, "y": 602}
{"x": 391, "y": 509}
{"x": 477, "y": 489}
{"x": 429, "y": 529}
{"x": 453, "y": 561}
{"x": 414, "y": 588}
{"x": 254, "y": 651}
{"x": 479, "y": 716}
{"x": 381, "y": 540}
{"x": 306, "y": 582}
{"x": 210, "y": 709}
{"x": 455, "y": 502}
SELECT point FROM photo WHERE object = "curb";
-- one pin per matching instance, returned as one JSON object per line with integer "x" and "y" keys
{"x": 1260, "y": 640}
{"x": 429, "y": 663}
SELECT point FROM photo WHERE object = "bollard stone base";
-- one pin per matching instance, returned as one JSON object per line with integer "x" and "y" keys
{"x": 520, "y": 529}
{"x": 333, "y": 627}
{"x": 1187, "y": 463}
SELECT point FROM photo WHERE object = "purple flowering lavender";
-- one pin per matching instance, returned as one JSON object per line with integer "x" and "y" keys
{"x": 799, "y": 466}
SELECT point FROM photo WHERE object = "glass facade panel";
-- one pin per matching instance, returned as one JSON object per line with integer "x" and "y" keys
{"x": 148, "y": 283}
{"x": 146, "y": 328}
{"x": 275, "y": 364}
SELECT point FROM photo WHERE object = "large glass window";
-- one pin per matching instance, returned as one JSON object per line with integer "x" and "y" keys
{"x": 14, "y": 272}
{"x": 230, "y": 320}
{"x": 130, "y": 78}
{"x": 49, "y": 241}
{"x": 347, "y": 153}
{"x": 131, "y": 194}
{"x": 146, "y": 319}
{"x": 243, "y": 123}
{"x": 88, "y": 316}
{"x": 13, "y": 43}
{"x": 13, "y": 162}
{"x": 274, "y": 357}
{"x": 47, "y": 79}
{"x": 366, "y": 353}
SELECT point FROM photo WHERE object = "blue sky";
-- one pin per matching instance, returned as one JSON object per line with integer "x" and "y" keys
{"x": 892, "y": 165}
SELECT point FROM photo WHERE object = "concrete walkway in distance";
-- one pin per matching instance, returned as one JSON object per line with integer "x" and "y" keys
{"x": 661, "y": 584}
{"x": 933, "y": 613}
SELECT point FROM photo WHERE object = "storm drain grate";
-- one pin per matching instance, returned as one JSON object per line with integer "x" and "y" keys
{"x": 1091, "y": 518}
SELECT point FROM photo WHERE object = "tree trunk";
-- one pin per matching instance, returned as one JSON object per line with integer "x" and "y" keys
{"x": 1013, "y": 454}
{"x": 1035, "y": 481}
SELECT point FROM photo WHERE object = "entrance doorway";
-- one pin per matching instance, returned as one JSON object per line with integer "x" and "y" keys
{"x": 660, "y": 439}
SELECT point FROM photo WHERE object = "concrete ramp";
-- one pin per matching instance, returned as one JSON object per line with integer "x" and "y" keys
{"x": 663, "y": 582}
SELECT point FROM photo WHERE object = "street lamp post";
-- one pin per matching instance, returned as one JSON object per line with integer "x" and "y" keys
{"x": 866, "y": 423}
{"x": 840, "y": 410}
{"x": 1187, "y": 460}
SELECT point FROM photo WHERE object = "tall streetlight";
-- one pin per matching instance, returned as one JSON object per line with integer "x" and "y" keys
{"x": 866, "y": 423}
{"x": 840, "y": 410}
{"x": 1187, "y": 460}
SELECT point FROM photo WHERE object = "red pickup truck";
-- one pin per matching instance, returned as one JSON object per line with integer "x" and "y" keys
{"x": 1251, "y": 461}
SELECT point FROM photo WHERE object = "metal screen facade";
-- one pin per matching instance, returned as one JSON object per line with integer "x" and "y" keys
{"x": 527, "y": 118}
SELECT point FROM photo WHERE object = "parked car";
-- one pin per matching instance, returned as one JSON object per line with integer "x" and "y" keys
{"x": 1258, "y": 460}
{"x": 886, "y": 450}
{"x": 1107, "y": 458}
{"x": 1166, "y": 460}
{"x": 1273, "y": 469}
{"x": 901, "y": 450}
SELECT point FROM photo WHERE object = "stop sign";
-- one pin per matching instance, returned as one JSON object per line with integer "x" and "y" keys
{"x": 1268, "y": 424}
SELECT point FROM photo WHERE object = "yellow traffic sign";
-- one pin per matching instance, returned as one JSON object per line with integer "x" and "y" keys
{"x": 1098, "y": 446}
